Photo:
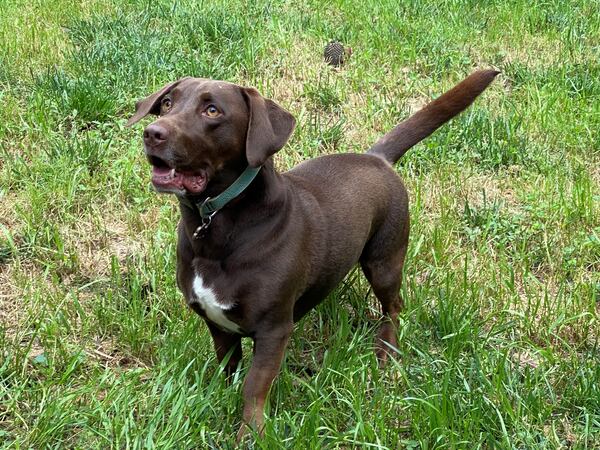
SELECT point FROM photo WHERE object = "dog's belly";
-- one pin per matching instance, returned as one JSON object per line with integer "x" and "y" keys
{"x": 322, "y": 287}
{"x": 206, "y": 298}
{"x": 310, "y": 299}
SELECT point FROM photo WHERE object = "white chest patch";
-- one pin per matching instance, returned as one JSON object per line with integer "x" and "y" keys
{"x": 213, "y": 309}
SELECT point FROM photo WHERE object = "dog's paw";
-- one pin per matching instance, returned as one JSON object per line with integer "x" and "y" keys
{"x": 386, "y": 344}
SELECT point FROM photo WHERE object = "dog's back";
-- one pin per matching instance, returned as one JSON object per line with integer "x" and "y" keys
{"x": 362, "y": 179}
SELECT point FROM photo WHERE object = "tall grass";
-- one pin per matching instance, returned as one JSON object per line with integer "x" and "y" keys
{"x": 499, "y": 338}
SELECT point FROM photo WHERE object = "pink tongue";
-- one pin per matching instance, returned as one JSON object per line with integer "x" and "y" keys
{"x": 168, "y": 178}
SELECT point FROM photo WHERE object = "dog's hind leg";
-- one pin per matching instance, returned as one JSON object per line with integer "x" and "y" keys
{"x": 382, "y": 261}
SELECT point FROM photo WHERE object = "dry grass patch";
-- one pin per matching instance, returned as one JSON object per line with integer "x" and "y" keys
{"x": 18, "y": 280}
{"x": 12, "y": 311}
{"x": 95, "y": 250}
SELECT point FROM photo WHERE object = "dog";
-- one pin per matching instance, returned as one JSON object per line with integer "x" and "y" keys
{"x": 258, "y": 249}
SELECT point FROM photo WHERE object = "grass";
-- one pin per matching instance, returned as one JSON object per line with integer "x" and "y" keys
{"x": 499, "y": 341}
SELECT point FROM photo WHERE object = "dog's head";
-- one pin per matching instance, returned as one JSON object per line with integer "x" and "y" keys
{"x": 207, "y": 132}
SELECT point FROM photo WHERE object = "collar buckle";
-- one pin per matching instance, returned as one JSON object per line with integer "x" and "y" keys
{"x": 206, "y": 221}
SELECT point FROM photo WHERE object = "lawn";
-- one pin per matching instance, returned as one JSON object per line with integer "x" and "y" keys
{"x": 499, "y": 342}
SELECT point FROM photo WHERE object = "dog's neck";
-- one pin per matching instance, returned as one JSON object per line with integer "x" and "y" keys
{"x": 253, "y": 207}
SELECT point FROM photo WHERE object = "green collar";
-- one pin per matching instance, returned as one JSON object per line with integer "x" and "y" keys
{"x": 209, "y": 207}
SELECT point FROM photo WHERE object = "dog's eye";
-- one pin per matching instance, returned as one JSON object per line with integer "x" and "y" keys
{"x": 165, "y": 105}
{"x": 212, "y": 111}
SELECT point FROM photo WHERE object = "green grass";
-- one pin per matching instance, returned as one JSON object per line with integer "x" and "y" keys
{"x": 499, "y": 342}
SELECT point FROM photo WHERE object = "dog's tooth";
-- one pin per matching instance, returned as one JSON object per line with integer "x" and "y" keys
{"x": 172, "y": 174}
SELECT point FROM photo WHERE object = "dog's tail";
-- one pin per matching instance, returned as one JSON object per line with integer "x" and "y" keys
{"x": 417, "y": 127}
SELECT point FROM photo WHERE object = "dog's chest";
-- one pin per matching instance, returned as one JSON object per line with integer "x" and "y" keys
{"x": 208, "y": 300}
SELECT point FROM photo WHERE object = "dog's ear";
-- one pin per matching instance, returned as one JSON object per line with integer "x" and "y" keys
{"x": 269, "y": 127}
{"x": 151, "y": 104}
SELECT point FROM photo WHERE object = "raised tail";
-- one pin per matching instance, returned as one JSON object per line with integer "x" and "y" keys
{"x": 417, "y": 127}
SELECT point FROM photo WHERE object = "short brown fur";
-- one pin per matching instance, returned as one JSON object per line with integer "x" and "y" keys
{"x": 280, "y": 247}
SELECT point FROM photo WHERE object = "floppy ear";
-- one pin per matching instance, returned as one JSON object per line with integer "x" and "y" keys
{"x": 269, "y": 127}
{"x": 151, "y": 104}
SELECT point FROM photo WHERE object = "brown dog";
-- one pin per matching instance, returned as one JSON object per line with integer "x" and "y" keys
{"x": 256, "y": 259}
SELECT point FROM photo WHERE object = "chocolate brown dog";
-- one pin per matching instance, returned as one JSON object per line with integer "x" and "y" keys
{"x": 258, "y": 249}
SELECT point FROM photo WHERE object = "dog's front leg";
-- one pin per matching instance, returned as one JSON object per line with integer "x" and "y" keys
{"x": 269, "y": 348}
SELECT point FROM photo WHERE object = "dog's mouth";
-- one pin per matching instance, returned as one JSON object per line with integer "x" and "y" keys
{"x": 168, "y": 179}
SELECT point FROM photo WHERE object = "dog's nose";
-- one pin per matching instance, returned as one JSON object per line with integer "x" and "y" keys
{"x": 155, "y": 134}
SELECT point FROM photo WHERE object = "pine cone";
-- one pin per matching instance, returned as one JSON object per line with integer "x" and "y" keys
{"x": 335, "y": 54}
